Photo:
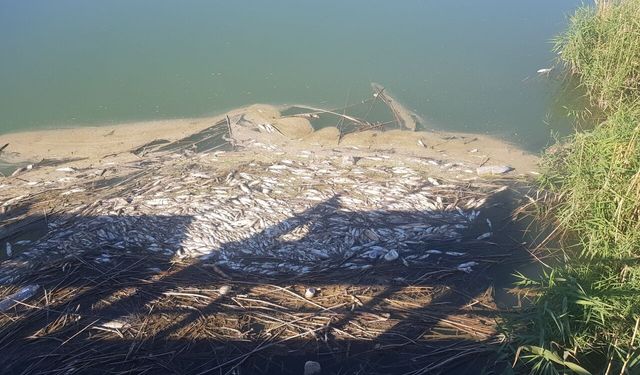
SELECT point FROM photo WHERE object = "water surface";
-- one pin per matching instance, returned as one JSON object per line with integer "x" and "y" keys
{"x": 464, "y": 65}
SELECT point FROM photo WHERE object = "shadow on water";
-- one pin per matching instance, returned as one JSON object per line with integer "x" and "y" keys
{"x": 178, "y": 317}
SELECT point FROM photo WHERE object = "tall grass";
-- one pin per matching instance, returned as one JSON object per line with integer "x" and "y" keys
{"x": 586, "y": 313}
{"x": 601, "y": 46}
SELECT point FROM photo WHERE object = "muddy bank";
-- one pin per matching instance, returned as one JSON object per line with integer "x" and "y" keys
{"x": 263, "y": 241}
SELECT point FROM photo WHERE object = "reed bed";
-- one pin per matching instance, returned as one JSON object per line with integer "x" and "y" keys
{"x": 586, "y": 307}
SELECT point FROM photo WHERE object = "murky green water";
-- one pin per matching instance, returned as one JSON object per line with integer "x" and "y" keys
{"x": 465, "y": 65}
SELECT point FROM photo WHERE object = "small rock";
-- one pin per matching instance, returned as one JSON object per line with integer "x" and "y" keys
{"x": 312, "y": 368}
{"x": 391, "y": 256}
{"x": 224, "y": 290}
{"x": 310, "y": 292}
{"x": 494, "y": 169}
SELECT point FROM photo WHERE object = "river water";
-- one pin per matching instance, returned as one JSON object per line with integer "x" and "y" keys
{"x": 464, "y": 65}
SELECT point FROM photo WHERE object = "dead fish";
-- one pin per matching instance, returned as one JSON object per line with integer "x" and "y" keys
{"x": 9, "y": 249}
{"x": 21, "y": 295}
{"x": 17, "y": 171}
{"x": 391, "y": 256}
{"x": 466, "y": 267}
{"x": 484, "y": 236}
{"x": 433, "y": 181}
{"x": 544, "y": 71}
{"x": 493, "y": 170}
{"x": 66, "y": 169}
{"x": 310, "y": 293}
{"x": 13, "y": 200}
{"x": 455, "y": 253}
{"x": 245, "y": 189}
{"x": 73, "y": 191}
{"x": 200, "y": 175}
{"x": 115, "y": 324}
{"x": 312, "y": 368}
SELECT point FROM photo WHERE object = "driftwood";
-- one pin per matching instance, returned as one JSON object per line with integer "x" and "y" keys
{"x": 404, "y": 117}
{"x": 355, "y": 120}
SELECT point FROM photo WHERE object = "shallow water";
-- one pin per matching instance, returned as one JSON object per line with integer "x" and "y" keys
{"x": 464, "y": 65}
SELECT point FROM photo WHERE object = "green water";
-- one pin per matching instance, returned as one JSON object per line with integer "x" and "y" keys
{"x": 464, "y": 65}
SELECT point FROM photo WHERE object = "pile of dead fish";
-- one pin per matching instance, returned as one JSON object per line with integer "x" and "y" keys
{"x": 289, "y": 217}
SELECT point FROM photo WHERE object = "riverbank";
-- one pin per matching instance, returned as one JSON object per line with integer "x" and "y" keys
{"x": 88, "y": 146}
{"x": 586, "y": 315}
{"x": 257, "y": 235}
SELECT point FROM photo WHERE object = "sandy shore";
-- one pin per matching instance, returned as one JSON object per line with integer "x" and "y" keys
{"x": 87, "y": 146}
{"x": 91, "y": 143}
